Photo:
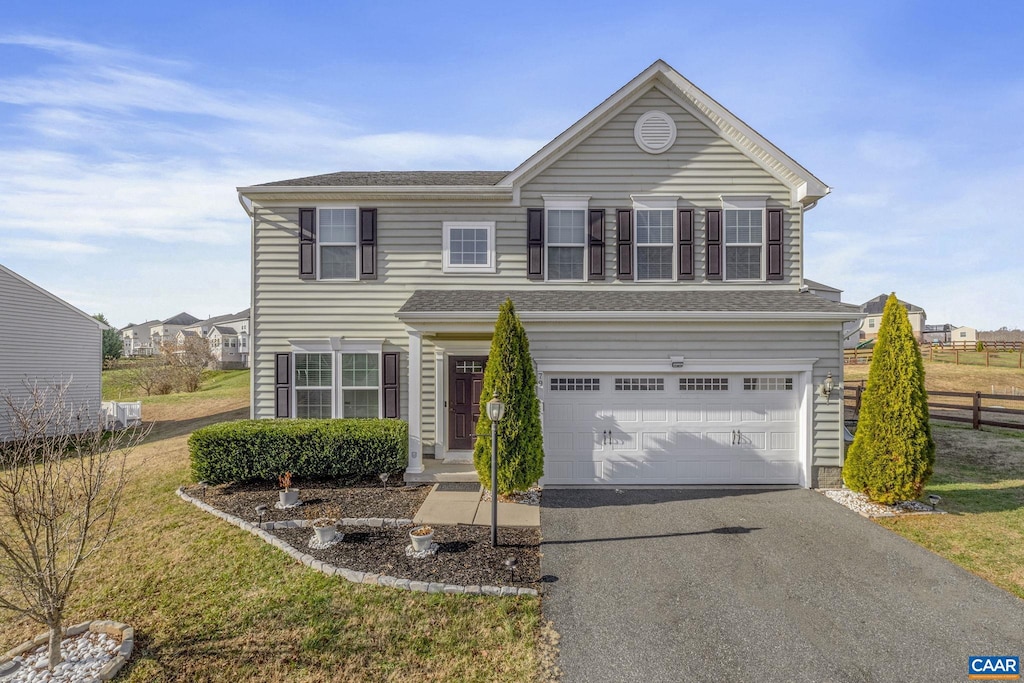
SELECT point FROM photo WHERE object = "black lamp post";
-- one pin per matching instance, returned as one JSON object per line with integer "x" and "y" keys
{"x": 495, "y": 411}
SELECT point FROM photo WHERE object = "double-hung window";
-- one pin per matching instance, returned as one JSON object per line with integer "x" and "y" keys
{"x": 336, "y": 235}
{"x": 566, "y": 248}
{"x": 360, "y": 385}
{"x": 655, "y": 244}
{"x": 744, "y": 239}
{"x": 314, "y": 385}
{"x": 469, "y": 247}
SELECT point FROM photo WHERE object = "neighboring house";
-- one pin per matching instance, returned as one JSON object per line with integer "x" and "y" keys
{"x": 136, "y": 339}
{"x": 824, "y": 291}
{"x": 873, "y": 317}
{"x": 964, "y": 335}
{"x": 46, "y": 340}
{"x": 229, "y": 338}
{"x": 654, "y": 252}
{"x": 165, "y": 331}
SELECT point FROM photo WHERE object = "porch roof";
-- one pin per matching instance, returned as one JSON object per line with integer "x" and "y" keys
{"x": 462, "y": 304}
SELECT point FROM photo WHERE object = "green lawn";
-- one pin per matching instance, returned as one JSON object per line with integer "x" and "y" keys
{"x": 980, "y": 476}
{"x": 213, "y": 603}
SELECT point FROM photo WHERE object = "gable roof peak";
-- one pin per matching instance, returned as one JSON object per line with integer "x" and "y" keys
{"x": 805, "y": 188}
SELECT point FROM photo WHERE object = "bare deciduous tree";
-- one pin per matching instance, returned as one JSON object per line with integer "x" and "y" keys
{"x": 62, "y": 479}
{"x": 189, "y": 357}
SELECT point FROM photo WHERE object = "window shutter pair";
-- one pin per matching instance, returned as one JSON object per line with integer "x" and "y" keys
{"x": 366, "y": 243}
{"x": 713, "y": 225}
{"x": 624, "y": 221}
{"x": 535, "y": 244}
{"x": 283, "y": 385}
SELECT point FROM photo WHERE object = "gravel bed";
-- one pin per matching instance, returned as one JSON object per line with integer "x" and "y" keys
{"x": 84, "y": 656}
{"x": 364, "y": 498}
{"x": 464, "y": 554}
{"x": 858, "y": 502}
{"x": 529, "y": 497}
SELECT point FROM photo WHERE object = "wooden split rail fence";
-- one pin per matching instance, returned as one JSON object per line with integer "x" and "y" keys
{"x": 972, "y": 408}
{"x": 990, "y": 357}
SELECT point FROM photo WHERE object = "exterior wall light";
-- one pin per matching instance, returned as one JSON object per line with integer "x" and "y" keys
{"x": 827, "y": 386}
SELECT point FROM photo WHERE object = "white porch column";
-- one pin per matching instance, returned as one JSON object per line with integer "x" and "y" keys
{"x": 440, "y": 412}
{"x": 415, "y": 401}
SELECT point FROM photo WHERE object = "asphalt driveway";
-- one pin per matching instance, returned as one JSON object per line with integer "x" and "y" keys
{"x": 751, "y": 585}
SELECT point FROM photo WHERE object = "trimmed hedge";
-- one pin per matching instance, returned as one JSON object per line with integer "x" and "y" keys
{"x": 248, "y": 450}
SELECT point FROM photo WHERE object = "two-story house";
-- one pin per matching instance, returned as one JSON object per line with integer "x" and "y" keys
{"x": 654, "y": 252}
{"x": 873, "y": 309}
{"x": 136, "y": 340}
{"x": 228, "y": 336}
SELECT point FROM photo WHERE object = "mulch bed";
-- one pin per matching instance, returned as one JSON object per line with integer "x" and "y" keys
{"x": 465, "y": 556}
{"x": 351, "y": 499}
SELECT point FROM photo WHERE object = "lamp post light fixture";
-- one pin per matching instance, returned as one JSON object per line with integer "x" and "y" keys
{"x": 495, "y": 412}
{"x": 260, "y": 511}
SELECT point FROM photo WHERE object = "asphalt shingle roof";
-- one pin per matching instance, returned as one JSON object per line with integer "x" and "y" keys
{"x": 393, "y": 178}
{"x": 624, "y": 299}
{"x": 877, "y": 305}
{"x": 181, "y": 319}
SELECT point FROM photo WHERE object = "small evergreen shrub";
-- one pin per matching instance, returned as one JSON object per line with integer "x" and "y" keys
{"x": 892, "y": 453}
{"x": 248, "y": 450}
{"x": 509, "y": 372}
{"x": 980, "y": 346}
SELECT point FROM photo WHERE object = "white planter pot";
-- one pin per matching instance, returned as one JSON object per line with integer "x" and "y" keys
{"x": 289, "y": 497}
{"x": 325, "y": 534}
{"x": 421, "y": 543}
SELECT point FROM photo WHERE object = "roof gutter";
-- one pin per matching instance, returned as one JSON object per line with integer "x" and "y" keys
{"x": 431, "y": 192}
{"x": 568, "y": 316}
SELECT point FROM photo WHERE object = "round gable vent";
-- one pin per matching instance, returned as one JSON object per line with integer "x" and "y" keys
{"x": 655, "y": 132}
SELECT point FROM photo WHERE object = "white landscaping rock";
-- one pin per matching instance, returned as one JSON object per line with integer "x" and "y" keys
{"x": 858, "y": 502}
{"x": 429, "y": 552}
{"x": 529, "y": 497}
{"x": 84, "y": 657}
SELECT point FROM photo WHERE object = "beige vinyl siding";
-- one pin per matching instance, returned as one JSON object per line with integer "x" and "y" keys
{"x": 699, "y": 168}
{"x": 724, "y": 341}
{"x": 43, "y": 340}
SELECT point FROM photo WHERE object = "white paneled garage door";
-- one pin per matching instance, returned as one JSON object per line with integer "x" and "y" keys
{"x": 635, "y": 428}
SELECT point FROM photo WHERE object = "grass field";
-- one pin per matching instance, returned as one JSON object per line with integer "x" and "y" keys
{"x": 210, "y": 602}
{"x": 949, "y": 377}
{"x": 980, "y": 476}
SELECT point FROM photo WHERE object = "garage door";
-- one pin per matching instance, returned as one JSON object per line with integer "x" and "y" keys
{"x": 620, "y": 428}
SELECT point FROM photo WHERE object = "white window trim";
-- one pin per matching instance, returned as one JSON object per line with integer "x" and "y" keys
{"x": 656, "y": 203}
{"x": 448, "y": 267}
{"x": 745, "y": 203}
{"x": 566, "y": 203}
{"x": 320, "y": 243}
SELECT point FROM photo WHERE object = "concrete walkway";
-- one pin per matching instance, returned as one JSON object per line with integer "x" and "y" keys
{"x": 466, "y": 507}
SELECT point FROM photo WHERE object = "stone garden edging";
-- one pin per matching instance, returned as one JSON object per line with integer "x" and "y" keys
{"x": 261, "y": 530}
{"x": 111, "y": 628}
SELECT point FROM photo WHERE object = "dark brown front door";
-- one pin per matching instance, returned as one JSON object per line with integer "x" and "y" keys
{"x": 465, "y": 381}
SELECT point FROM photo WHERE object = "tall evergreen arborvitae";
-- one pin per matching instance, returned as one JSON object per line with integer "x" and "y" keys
{"x": 510, "y": 373}
{"x": 892, "y": 453}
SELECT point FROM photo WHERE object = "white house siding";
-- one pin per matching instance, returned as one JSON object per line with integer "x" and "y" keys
{"x": 43, "y": 340}
{"x": 699, "y": 168}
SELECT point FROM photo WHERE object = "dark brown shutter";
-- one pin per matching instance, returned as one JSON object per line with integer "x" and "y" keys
{"x": 535, "y": 244}
{"x": 774, "y": 271}
{"x": 713, "y": 228}
{"x": 596, "y": 271}
{"x": 307, "y": 244}
{"x": 624, "y": 223}
{"x": 282, "y": 385}
{"x": 685, "y": 244}
{"x": 367, "y": 244}
{"x": 390, "y": 385}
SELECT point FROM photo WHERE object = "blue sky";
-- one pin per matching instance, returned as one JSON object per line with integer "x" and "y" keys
{"x": 125, "y": 127}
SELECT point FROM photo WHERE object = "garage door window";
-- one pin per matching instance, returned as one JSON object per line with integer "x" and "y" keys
{"x": 575, "y": 384}
{"x": 703, "y": 384}
{"x": 639, "y": 384}
{"x": 767, "y": 384}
